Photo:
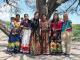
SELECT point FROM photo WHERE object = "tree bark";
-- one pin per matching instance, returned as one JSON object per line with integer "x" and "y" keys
{"x": 48, "y": 7}
{"x": 52, "y": 5}
{"x": 4, "y": 29}
{"x": 41, "y": 6}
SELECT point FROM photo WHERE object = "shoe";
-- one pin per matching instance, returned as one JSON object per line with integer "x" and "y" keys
{"x": 67, "y": 55}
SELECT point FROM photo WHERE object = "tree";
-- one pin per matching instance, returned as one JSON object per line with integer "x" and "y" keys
{"x": 4, "y": 28}
{"x": 14, "y": 6}
{"x": 14, "y": 10}
{"x": 49, "y": 6}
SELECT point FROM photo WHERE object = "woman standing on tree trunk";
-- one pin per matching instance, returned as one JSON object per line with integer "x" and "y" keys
{"x": 44, "y": 30}
{"x": 35, "y": 41}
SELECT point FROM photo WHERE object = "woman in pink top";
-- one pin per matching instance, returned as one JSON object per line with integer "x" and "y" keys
{"x": 56, "y": 26}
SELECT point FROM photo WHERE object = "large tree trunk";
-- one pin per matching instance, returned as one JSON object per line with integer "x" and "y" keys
{"x": 41, "y": 7}
{"x": 48, "y": 7}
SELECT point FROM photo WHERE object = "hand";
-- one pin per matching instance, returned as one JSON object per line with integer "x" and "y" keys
{"x": 21, "y": 26}
{"x": 49, "y": 33}
{"x": 40, "y": 32}
{"x": 54, "y": 34}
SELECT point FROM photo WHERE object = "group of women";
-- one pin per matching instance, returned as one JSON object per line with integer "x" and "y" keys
{"x": 39, "y": 35}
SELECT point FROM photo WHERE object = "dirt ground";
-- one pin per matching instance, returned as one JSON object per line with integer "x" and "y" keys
{"x": 75, "y": 52}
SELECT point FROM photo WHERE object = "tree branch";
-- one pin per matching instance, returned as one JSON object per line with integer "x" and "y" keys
{"x": 51, "y": 10}
{"x": 71, "y": 5}
{"x": 52, "y": 5}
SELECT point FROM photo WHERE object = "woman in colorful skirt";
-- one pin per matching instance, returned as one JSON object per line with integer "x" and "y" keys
{"x": 14, "y": 37}
{"x": 26, "y": 32}
{"x": 44, "y": 30}
{"x": 55, "y": 45}
{"x": 35, "y": 41}
{"x": 66, "y": 34}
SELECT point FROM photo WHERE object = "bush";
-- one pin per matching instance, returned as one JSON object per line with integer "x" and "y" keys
{"x": 76, "y": 32}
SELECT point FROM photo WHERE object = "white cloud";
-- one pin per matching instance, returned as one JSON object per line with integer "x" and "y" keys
{"x": 5, "y": 16}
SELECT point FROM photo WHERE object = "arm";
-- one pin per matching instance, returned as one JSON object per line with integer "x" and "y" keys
{"x": 69, "y": 28}
{"x": 40, "y": 27}
{"x": 49, "y": 28}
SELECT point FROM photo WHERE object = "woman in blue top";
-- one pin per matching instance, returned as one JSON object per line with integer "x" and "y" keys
{"x": 66, "y": 34}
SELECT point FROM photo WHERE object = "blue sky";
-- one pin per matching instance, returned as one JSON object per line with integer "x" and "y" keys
{"x": 26, "y": 9}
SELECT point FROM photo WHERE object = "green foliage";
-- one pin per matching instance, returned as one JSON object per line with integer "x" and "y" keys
{"x": 8, "y": 24}
{"x": 76, "y": 32}
{"x": 76, "y": 26}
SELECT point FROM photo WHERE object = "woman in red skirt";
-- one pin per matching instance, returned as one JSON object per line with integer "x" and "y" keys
{"x": 44, "y": 30}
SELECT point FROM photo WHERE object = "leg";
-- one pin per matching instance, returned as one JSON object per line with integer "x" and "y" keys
{"x": 47, "y": 43}
{"x": 63, "y": 37}
{"x": 42, "y": 42}
{"x": 68, "y": 44}
{"x": 32, "y": 44}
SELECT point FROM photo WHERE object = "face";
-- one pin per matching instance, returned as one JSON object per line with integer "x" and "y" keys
{"x": 18, "y": 17}
{"x": 36, "y": 15}
{"x": 55, "y": 17}
{"x": 44, "y": 17}
{"x": 12, "y": 20}
{"x": 65, "y": 17}
{"x": 26, "y": 17}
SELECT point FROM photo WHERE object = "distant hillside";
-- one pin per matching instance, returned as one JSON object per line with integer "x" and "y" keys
{"x": 76, "y": 32}
{"x": 76, "y": 26}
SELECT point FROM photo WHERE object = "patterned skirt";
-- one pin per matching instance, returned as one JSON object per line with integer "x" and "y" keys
{"x": 44, "y": 42}
{"x": 35, "y": 43}
{"x": 14, "y": 43}
{"x": 26, "y": 33}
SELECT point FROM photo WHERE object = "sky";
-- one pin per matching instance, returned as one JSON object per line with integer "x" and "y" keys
{"x": 5, "y": 15}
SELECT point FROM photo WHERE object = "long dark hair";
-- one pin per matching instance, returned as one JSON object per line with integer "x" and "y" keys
{"x": 35, "y": 14}
{"x": 45, "y": 16}
{"x": 56, "y": 19}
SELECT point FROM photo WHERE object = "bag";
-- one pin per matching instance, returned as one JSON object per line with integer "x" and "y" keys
{"x": 55, "y": 47}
